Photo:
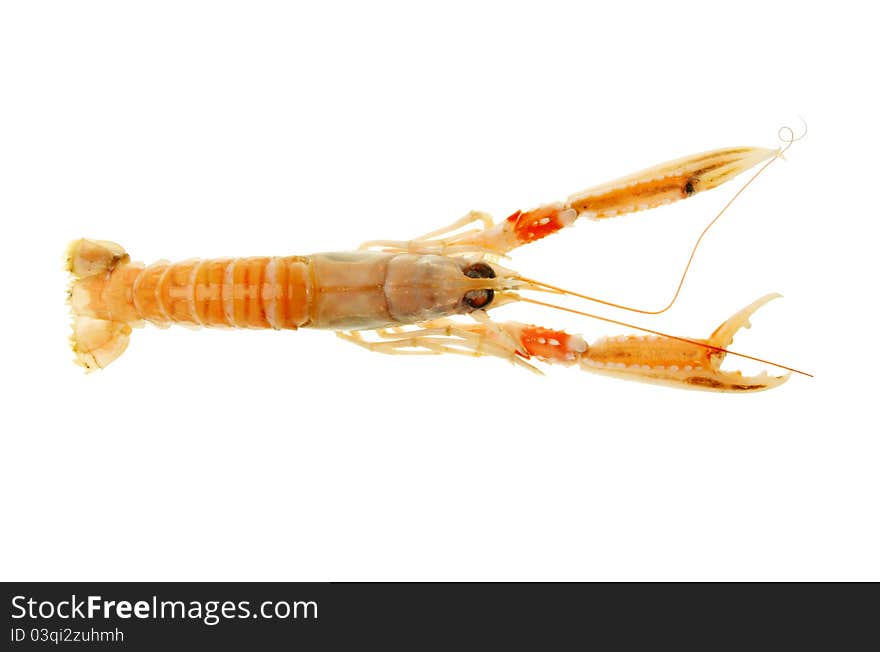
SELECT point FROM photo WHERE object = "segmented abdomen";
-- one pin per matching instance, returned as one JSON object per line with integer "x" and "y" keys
{"x": 228, "y": 292}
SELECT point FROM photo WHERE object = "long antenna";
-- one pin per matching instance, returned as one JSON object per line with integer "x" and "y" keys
{"x": 661, "y": 334}
{"x": 786, "y": 135}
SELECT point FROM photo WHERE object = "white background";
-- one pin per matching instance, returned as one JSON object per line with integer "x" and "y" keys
{"x": 183, "y": 129}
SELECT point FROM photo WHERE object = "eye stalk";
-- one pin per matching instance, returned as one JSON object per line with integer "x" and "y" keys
{"x": 479, "y": 299}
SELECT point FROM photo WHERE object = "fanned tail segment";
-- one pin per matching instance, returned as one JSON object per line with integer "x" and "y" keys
{"x": 96, "y": 341}
{"x": 110, "y": 294}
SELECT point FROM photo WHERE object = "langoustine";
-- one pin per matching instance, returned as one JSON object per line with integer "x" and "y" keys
{"x": 404, "y": 294}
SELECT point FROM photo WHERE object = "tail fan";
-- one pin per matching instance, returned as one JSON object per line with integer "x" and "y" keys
{"x": 96, "y": 340}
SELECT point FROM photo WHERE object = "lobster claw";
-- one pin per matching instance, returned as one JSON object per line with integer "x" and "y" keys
{"x": 682, "y": 363}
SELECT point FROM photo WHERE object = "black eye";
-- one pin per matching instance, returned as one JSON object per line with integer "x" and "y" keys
{"x": 479, "y": 270}
{"x": 477, "y": 299}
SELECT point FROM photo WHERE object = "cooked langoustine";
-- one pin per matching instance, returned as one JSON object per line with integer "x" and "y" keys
{"x": 405, "y": 292}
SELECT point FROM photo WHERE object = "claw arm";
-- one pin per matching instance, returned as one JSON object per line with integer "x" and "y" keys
{"x": 652, "y": 187}
{"x": 652, "y": 359}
